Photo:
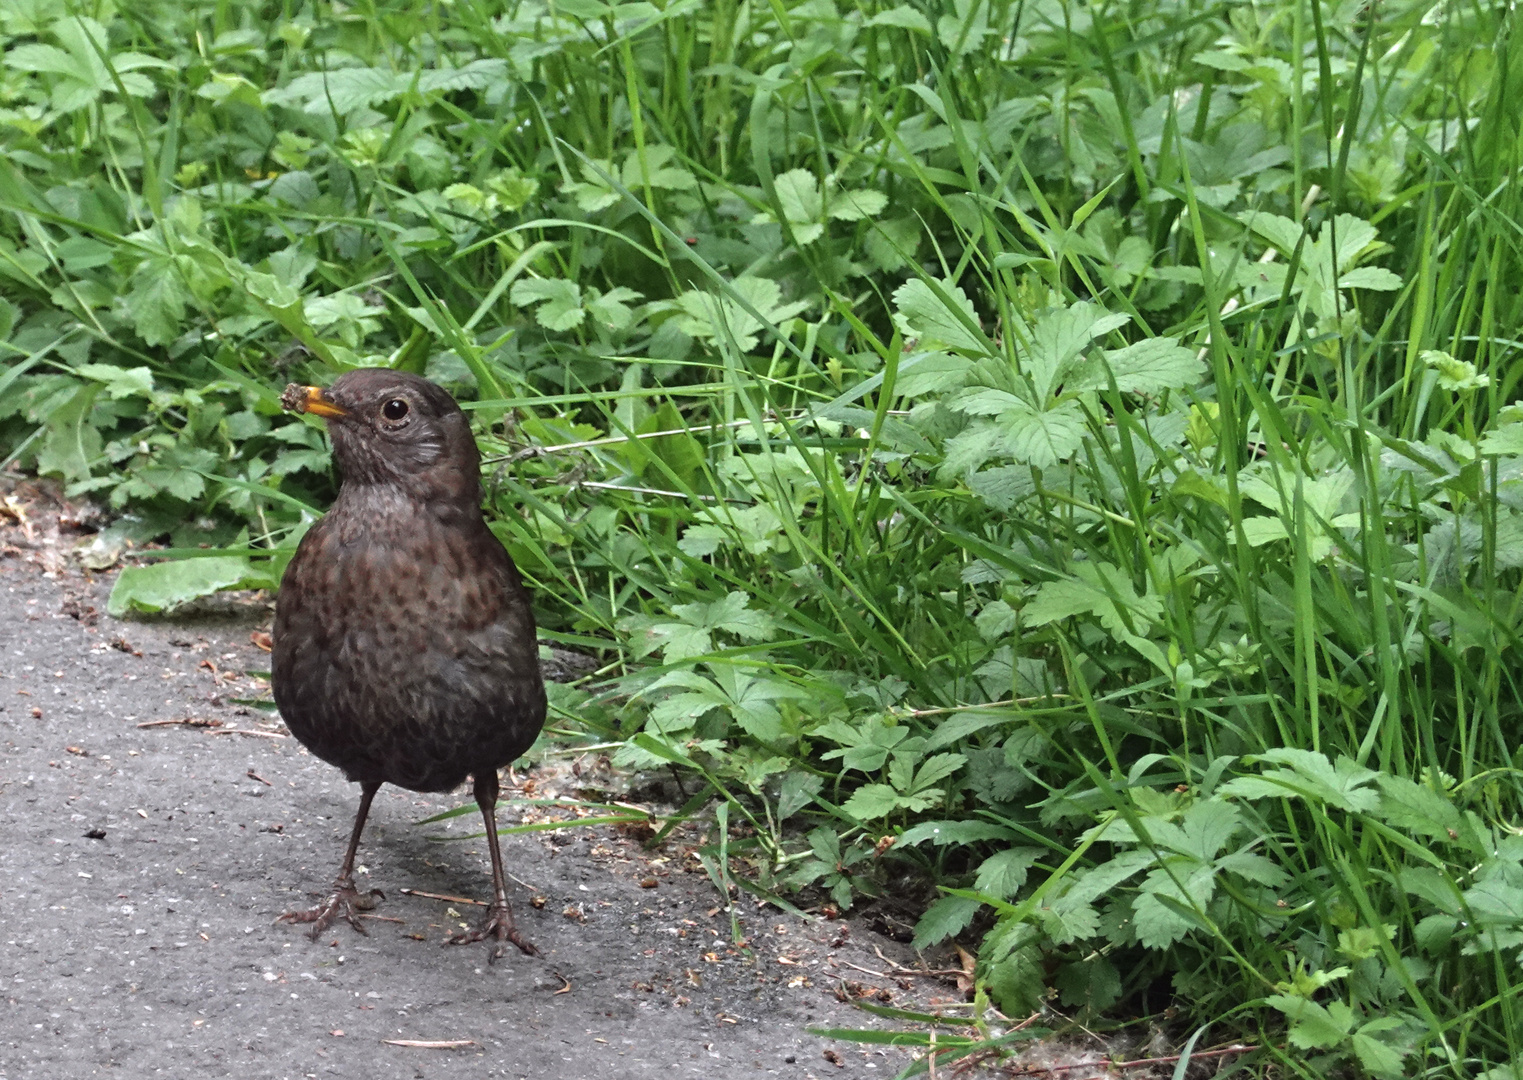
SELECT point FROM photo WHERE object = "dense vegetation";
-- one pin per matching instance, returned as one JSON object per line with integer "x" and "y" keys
{"x": 1062, "y": 451}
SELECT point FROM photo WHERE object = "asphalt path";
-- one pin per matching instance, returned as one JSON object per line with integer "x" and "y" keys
{"x": 143, "y": 868}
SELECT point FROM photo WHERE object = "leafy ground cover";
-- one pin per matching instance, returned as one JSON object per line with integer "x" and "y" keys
{"x": 1060, "y": 452}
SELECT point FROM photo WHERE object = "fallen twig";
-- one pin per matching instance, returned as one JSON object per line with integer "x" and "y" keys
{"x": 252, "y": 775}
{"x": 444, "y": 896}
{"x": 936, "y": 973}
{"x": 246, "y": 731}
{"x": 425, "y": 1044}
{"x": 565, "y": 989}
{"x": 188, "y": 721}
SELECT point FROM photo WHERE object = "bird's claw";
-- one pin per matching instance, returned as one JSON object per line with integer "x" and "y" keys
{"x": 345, "y": 901}
{"x": 498, "y": 926}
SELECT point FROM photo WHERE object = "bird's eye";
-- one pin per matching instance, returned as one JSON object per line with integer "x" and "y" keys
{"x": 395, "y": 409}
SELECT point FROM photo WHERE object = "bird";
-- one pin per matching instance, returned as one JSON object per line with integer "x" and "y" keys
{"x": 404, "y": 648}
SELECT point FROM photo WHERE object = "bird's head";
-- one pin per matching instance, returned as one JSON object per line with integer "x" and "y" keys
{"x": 397, "y": 430}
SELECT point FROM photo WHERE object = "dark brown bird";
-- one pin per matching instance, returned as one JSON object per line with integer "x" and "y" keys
{"x": 404, "y": 648}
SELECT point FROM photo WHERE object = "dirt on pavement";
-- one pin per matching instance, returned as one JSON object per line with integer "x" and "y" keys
{"x": 143, "y": 868}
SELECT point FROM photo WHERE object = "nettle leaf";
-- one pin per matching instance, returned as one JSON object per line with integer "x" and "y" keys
{"x": 559, "y": 300}
{"x": 921, "y": 314}
{"x": 1001, "y": 875}
{"x": 945, "y": 918}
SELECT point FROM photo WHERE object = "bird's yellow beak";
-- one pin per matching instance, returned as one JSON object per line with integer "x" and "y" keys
{"x": 309, "y": 399}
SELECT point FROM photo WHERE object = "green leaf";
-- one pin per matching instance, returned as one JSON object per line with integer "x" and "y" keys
{"x": 923, "y": 315}
{"x": 1379, "y": 1058}
{"x": 560, "y": 301}
{"x": 156, "y": 302}
{"x": 1147, "y": 367}
{"x": 720, "y": 317}
{"x": 926, "y": 373}
{"x": 1311, "y": 776}
{"x": 942, "y": 833}
{"x": 871, "y": 802}
{"x": 798, "y": 192}
{"x": 1001, "y": 875}
{"x": 797, "y": 791}
{"x": 70, "y": 443}
{"x": 1092, "y": 984}
{"x": 164, "y": 585}
{"x": 120, "y": 382}
{"x": 1043, "y": 438}
{"x": 937, "y": 768}
{"x": 856, "y": 205}
{"x": 1311, "y": 1026}
{"x": 946, "y": 917}
{"x": 904, "y": 17}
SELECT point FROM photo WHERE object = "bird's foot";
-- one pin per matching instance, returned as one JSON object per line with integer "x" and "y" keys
{"x": 345, "y": 901}
{"x": 498, "y": 927}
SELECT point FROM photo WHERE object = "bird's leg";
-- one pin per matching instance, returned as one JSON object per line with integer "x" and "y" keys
{"x": 499, "y": 920}
{"x": 344, "y": 900}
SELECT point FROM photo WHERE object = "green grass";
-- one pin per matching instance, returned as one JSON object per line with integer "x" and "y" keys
{"x": 1071, "y": 441}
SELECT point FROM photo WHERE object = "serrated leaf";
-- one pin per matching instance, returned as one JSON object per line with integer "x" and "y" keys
{"x": 937, "y": 768}
{"x": 719, "y": 317}
{"x": 871, "y": 802}
{"x": 1379, "y": 1058}
{"x": 560, "y": 301}
{"x": 920, "y": 313}
{"x": 1002, "y": 874}
{"x": 70, "y": 443}
{"x": 120, "y": 382}
{"x": 931, "y": 373}
{"x": 1059, "y": 337}
{"x": 1311, "y": 1026}
{"x": 1043, "y": 437}
{"x": 797, "y": 791}
{"x": 1092, "y": 984}
{"x": 1345, "y": 785}
{"x": 856, "y": 205}
{"x": 798, "y": 193}
{"x": 1146, "y": 367}
{"x": 945, "y": 918}
{"x": 903, "y": 17}
{"x": 156, "y": 302}
{"x": 1370, "y": 277}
